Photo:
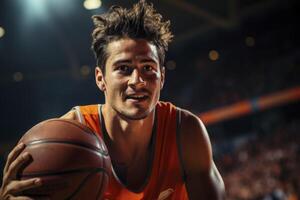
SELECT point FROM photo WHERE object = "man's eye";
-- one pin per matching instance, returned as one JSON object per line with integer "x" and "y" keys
{"x": 124, "y": 68}
{"x": 148, "y": 68}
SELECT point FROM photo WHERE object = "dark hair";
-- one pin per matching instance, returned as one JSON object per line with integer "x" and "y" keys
{"x": 141, "y": 21}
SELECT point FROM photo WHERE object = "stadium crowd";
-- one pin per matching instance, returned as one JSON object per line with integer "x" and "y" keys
{"x": 265, "y": 168}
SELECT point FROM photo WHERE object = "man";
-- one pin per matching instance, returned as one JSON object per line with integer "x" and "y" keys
{"x": 158, "y": 151}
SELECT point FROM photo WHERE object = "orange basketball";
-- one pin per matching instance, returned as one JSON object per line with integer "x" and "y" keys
{"x": 71, "y": 160}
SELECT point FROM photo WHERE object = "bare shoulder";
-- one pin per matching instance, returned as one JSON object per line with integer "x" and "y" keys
{"x": 203, "y": 180}
{"x": 195, "y": 141}
{"x": 192, "y": 125}
{"x": 70, "y": 115}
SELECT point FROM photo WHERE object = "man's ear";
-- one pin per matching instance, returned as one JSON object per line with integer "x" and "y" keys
{"x": 163, "y": 74}
{"x": 99, "y": 77}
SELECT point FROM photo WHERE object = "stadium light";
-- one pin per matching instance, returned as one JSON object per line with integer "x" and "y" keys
{"x": 36, "y": 8}
{"x": 213, "y": 55}
{"x": 43, "y": 10}
{"x": 2, "y": 32}
{"x": 92, "y": 4}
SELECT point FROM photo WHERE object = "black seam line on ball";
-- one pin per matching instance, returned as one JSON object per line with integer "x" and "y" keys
{"x": 82, "y": 184}
{"x": 105, "y": 153}
{"x": 104, "y": 178}
{"x": 86, "y": 129}
{"x": 100, "y": 187}
{"x": 41, "y": 174}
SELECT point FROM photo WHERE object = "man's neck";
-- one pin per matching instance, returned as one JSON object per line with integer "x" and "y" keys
{"x": 129, "y": 146}
{"x": 127, "y": 137}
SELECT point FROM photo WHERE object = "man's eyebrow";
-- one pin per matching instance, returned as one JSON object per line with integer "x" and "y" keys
{"x": 144, "y": 60}
{"x": 147, "y": 60}
{"x": 122, "y": 61}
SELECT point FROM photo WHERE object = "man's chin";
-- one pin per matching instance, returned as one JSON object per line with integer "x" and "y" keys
{"x": 135, "y": 114}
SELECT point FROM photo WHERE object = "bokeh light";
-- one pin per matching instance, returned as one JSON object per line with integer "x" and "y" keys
{"x": 18, "y": 76}
{"x": 2, "y": 32}
{"x": 171, "y": 65}
{"x": 213, "y": 55}
{"x": 85, "y": 70}
{"x": 92, "y": 4}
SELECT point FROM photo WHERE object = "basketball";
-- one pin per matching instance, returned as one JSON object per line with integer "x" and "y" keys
{"x": 70, "y": 159}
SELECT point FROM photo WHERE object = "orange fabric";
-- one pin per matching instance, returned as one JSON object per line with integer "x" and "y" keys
{"x": 165, "y": 181}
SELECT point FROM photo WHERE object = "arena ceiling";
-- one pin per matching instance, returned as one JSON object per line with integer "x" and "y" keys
{"x": 194, "y": 18}
{"x": 65, "y": 32}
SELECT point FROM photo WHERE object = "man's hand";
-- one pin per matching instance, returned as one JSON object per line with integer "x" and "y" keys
{"x": 12, "y": 188}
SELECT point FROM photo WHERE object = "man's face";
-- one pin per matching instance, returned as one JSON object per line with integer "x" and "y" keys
{"x": 133, "y": 78}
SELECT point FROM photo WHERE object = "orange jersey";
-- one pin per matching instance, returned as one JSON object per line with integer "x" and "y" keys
{"x": 165, "y": 181}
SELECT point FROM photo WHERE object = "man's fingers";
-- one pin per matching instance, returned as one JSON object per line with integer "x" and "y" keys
{"x": 11, "y": 172}
{"x": 20, "y": 198}
{"x": 16, "y": 187}
{"x": 13, "y": 155}
{"x": 29, "y": 198}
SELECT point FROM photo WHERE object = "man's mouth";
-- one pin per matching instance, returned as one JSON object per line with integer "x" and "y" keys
{"x": 137, "y": 97}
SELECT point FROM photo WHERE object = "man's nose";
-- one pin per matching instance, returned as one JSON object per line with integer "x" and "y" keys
{"x": 136, "y": 79}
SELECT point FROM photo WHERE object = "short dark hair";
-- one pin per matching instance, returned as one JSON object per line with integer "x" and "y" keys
{"x": 142, "y": 21}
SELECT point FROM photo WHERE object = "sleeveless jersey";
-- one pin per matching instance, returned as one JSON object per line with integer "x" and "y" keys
{"x": 165, "y": 181}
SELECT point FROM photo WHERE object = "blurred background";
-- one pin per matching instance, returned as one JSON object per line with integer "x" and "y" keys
{"x": 234, "y": 63}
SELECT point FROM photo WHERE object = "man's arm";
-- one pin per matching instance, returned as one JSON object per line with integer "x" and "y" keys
{"x": 203, "y": 180}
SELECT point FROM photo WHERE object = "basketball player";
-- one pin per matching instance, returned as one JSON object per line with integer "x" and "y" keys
{"x": 158, "y": 150}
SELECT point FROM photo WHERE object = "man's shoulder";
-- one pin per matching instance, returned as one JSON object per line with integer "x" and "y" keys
{"x": 191, "y": 123}
{"x": 70, "y": 115}
{"x": 194, "y": 140}
{"x": 187, "y": 117}
{"x": 73, "y": 113}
